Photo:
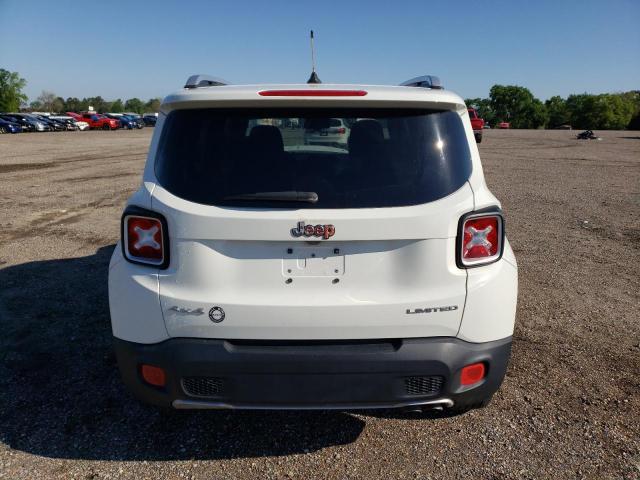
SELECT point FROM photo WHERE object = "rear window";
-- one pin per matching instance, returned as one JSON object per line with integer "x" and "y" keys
{"x": 276, "y": 158}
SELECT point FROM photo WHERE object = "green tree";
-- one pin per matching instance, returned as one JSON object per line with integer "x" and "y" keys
{"x": 153, "y": 105}
{"x": 62, "y": 104}
{"x": 11, "y": 95}
{"x": 558, "y": 111}
{"x": 621, "y": 111}
{"x": 518, "y": 106}
{"x": 134, "y": 105}
{"x": 537, "y": 115}
{"x": 602, "y": 112}
{"x": 72, "y": 104}
{"x": 98, "y": 103}
{"x": 483, "y": 107}
{"x": 117, "y": 106}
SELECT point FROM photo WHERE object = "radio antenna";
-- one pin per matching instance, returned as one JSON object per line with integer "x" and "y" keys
{"x": 314, "y": 76}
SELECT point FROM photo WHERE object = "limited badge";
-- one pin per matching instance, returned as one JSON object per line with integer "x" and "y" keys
{"x": 216, "y": 314}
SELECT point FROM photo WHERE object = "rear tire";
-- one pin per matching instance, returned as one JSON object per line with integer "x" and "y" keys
{"x": 2, "y": 130}
{"x": 106, "y": 127}
{"x": 478, "y": 138}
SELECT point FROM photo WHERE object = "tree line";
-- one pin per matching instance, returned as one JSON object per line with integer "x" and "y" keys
{"x": 508, "y": 103}
{"x": 49, "y": 102}
{"x": 518, "y": 106}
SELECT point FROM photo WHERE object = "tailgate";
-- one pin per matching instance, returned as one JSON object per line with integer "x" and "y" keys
{"x": 385, "y": 273}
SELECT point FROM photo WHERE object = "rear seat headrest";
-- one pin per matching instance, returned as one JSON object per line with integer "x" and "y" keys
{"x": 267, "y": 138}
{"x": 365, "y": 135}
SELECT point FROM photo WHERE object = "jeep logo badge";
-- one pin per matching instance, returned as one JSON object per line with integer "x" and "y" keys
{"x": 322, "y": 231}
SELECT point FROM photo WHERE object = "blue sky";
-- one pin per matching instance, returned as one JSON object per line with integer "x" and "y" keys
{"x": 122, "y": 49}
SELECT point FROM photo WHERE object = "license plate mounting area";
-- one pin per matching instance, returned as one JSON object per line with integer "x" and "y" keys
{"x": 313, "y": 262}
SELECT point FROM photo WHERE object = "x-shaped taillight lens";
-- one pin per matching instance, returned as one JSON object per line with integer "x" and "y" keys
{"x": 481, "y": 239}
{"x": 144, "y": 239}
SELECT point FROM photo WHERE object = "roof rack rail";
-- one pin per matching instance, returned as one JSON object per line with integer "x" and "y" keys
{"x": 196, "y": 81}
{"x": 426, "y": 81}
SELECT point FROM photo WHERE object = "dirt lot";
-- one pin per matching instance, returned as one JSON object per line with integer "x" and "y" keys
{"x": 569, "y": 407}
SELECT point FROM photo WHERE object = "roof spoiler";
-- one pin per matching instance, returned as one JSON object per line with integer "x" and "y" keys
{"x": 426, "y": 81}
{"x": 197, "y": 81}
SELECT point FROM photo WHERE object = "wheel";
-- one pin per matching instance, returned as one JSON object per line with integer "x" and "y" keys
{"x": 478, "y": 138}
{"x": 2, "y": 130}
{"x": 106, "y": 127}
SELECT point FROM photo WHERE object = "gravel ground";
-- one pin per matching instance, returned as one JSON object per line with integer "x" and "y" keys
{"x": 569, "y": 407}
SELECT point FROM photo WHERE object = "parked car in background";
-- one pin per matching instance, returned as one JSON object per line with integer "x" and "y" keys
{"x": 137, "y": 118}
{"x": 139, "y": 121}
{"x": 75, "y": 124}
{"x": 330, "y": 132}
{"x": 9, "y": 127}
{"x": 26, "y": 126}
{"x": 95, "y": 120}
{"x": 477, "y": 124}
{"x": 504, "y": 125}
{"x": 34, "y": 124}
{"x": 150, "y": 120}
{"x": 55, "y": 125}
{"x": 130, "y": 122}
{"x": 123, "y": 120}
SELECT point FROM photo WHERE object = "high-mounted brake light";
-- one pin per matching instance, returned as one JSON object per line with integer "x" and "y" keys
{"x": 312, "y": 93}
{"x": 144, "y": 237}
{"x": 481, "y": 239}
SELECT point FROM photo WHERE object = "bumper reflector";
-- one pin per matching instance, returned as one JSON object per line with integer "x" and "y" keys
{"x": 153, "y": 375}
{"x": 472, "y": 374}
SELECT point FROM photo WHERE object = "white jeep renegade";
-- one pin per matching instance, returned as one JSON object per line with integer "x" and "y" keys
{"x": 260, "y": 270}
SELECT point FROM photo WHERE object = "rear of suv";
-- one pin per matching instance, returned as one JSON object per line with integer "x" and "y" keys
{"x": 257, "y": 270}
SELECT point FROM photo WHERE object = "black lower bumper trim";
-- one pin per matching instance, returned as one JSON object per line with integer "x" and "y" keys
{"x": 310, "y": 375}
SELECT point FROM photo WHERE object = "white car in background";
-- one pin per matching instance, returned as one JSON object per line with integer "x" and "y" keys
{"x": 255, "y": 271}
{"x": 82, "y": 125}
{"x": 332, "y": 132}
{"x": 78, "y": 123}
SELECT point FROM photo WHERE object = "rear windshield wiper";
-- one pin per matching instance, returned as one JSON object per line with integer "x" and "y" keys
{"x": 287, "y": 196}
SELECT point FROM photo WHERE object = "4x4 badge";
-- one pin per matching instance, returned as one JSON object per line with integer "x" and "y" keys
{"x": 323, "y": 231}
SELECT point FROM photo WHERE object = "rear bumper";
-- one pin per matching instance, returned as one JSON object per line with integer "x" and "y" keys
{"x": 312, "y": 375}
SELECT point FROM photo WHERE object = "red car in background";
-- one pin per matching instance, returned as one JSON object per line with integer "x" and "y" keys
{"x": 96, "y": 120}
{"x": 504, "y": 125}
{"x": 477, "y": 124}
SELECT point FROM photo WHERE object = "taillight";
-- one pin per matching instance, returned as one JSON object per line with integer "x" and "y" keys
{"x": 144, "y": 237}
{"x": 342, "y": 130}
{"x": 481, "y": 239}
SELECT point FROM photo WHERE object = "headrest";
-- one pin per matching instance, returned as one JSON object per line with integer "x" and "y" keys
{"x": 365, "y": 135}
{"x": 267, "y": 138}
